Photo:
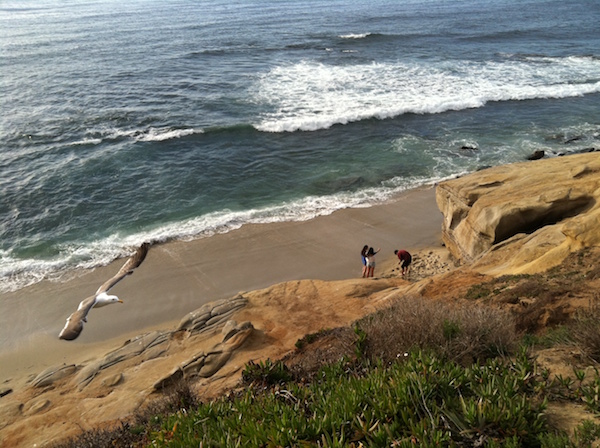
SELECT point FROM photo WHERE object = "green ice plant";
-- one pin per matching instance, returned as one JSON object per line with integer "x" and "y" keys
{"x": 267, "y": 372}
{"x": 590, "y": 393}
{"x": 422, "y": 400}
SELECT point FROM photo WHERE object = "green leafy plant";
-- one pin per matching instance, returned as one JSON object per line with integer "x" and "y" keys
{"x": 266, "y": 373}
{"x": 479, "y": 291}
{"x": 425, "y": 401}
{"x": 450, "y": 329}
{"x": 361, "y": 340}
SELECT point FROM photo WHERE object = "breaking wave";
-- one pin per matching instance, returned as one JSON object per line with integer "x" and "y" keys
{"x": 309, "y": 96}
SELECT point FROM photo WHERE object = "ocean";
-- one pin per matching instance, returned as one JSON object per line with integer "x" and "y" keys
{"x": 124, "y": 122}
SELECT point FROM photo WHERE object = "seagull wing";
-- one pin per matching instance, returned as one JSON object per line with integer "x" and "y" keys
{"x": 133, "y": 262}
{"x": 75, "y": 321}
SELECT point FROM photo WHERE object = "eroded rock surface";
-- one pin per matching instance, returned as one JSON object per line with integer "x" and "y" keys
{"x": 206, "y": 363}
{"x": 524, "y": 217}
{"x": 212, "y": 314}
{"x": 52, "y": 374}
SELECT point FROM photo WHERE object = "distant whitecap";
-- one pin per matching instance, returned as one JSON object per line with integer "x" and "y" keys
{"x": 355, "y": 36}
{"x": 159, "y": 135}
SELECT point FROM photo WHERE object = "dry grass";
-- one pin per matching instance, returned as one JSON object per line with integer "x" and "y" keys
{"x": 319, "y": 349}
{"x": 584, "y": 329}
{"x": 459, "y": 333}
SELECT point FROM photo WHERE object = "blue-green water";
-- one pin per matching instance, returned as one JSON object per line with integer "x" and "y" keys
{"x": 124, "y": 122}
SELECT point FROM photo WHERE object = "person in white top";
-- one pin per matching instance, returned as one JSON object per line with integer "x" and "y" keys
{"x": 371, "y": 261}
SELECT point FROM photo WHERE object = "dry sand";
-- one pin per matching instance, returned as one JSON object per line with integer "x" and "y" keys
{"x": 179, "y": 277}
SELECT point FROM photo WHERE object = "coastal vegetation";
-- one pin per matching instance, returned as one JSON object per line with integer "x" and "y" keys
{"x": 417, "y": 373}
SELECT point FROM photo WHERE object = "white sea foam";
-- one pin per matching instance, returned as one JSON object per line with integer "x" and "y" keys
{"x": 309, "y": 96}
{"x": 153, "y": 134}
{"x": 159, "y": 135}
{"x": 87, "y": 141}
{"x": 355, "y": 36}
{"x": 141, "y": 135}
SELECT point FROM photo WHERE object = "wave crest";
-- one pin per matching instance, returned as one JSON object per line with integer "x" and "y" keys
{"x": 159, "y": 135}
{"x": 311, "y": 96}
{"x": 355, "y": 36}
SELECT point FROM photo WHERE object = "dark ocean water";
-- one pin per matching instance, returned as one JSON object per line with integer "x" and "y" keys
{"x": 124, "y": 122}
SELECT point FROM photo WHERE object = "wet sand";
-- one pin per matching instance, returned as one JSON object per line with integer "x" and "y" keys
{"x": 179, "y": 277}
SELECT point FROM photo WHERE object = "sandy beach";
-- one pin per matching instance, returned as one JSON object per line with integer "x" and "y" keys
{"x": 179, "y": 277}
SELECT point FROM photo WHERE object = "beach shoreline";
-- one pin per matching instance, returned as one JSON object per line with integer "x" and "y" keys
{"x": 179, "y": 277}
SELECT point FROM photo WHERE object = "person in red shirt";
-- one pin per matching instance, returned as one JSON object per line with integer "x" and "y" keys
{"x": 405, "y": 260}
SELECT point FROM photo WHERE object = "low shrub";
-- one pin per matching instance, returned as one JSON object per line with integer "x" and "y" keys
{"x": 461, "y": 333}
{"x": 551, "y": 337}
{"x": 478, "y": 291}
{"x": 266, "y": 373}
{"x": 584, "y": 329}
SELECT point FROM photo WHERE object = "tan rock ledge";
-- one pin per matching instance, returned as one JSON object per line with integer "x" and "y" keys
{"x": 522, "y": 218}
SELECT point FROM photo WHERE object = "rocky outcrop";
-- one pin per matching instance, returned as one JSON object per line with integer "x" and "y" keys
{"x": 131, "y": 349}
{"x": 212, "y": 314}
{"x": 206, "y": 364}
{"x": 525, "y": 217}
{"x": 537, "y": 155}
{"x": 114, "y": 384}
{"x": 52, "y": 374}
{"x": 208, "y": 347}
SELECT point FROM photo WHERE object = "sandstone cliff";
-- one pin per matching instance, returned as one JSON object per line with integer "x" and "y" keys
{"x": 525, "y": 217}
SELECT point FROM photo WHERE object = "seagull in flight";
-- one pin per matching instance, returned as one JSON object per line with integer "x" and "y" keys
{"x": 75, "y": 321}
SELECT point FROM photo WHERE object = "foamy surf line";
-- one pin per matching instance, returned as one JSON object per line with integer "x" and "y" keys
{"x": 80, "y": 256}
{"x": 138, "y": 135}
{"x": 310, "y": 96}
